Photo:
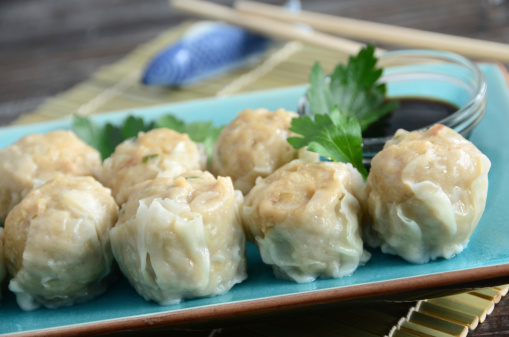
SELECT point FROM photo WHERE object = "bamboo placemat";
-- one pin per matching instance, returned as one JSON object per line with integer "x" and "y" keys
{"x": 453, "y": 315}
{"x": 117, "y": 87}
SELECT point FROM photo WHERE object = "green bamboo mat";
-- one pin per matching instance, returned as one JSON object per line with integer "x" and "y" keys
{"x": 117, "y": 87}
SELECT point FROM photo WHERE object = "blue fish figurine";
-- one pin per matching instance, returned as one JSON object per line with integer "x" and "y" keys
{"x": 207, "y": 49}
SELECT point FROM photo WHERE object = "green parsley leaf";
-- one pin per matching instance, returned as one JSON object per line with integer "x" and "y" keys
{"x": 107, "y": 138}
{"x": 91, "y": 134}
{"x": 133, "y": 125}
{"x": 113, "y": 136}
{"x": 334, "y": 136}
{"x": 205, "y": 133}
{"x": 170, "y": 122}
{"x": 343, "y": 107}
{"x": 354, "y": 88}
{"x": 319, "y": 93}
{"x": 200, "y": 132}
{"x": 212, "y": 136}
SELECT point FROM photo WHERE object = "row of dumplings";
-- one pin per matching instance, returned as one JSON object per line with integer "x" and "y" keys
{"x": 181, "y": 231}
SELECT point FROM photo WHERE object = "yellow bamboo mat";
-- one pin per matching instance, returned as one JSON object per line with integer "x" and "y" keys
{"x": 453, "y": 315}
{"x": 117, "y": 87}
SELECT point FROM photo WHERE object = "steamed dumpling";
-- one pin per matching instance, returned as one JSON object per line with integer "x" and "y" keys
{"x": 179, "y": 238}
{"x": 159, "y": 152}
{"x": 3, "y": 271}
{"x": 37, "y": 158}
{"x": 254, "y": 145}
{"x": 427, "y": 192}
{"x": 57, "y": 243}
{"x": 305, "y": 217}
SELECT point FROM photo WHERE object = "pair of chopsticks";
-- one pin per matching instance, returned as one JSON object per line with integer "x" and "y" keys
{"x": 280, "y": 22}
{"x": 266, "y": 26}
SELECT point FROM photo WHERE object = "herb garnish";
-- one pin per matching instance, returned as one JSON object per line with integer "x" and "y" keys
{"x": 343, "y": 107}
{"x": 200, "y": 132}
{"x": 333, "y": 135}
{"x": 148, "y": 157}
{"x": 105, "y": 139}
{"x": 353, "y": 88}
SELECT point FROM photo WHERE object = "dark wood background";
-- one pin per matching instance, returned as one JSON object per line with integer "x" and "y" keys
{"x": 47, "y": 46}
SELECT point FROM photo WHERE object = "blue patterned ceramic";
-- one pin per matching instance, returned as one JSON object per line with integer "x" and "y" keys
{"x": 208, "y": 48}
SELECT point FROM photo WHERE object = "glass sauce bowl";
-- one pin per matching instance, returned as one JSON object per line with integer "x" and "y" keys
{"x": 430, "y": 75}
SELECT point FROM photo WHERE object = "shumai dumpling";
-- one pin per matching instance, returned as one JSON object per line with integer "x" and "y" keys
{"x": 305, "y": 218}
{"x": 427, "y": 192}
{"x": 37, "y": 158}
{"x": 158, "y": 152}
{"x": 254, "y": 145}
{"x": 3, "y": 271}
{"x": 57, "y": 243}
{"x": 179, "y": 238}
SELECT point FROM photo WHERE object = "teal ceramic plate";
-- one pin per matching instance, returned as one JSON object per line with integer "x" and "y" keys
{"x": 486, "y": 257}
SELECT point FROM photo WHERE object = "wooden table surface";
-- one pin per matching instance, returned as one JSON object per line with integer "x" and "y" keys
{"x": 47, "y": 46}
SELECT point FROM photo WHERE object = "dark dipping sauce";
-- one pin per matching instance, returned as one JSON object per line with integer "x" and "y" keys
{"x": 412, "y": 114}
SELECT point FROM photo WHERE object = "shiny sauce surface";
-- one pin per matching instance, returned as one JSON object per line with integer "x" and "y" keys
{"x": 412, "y": 114}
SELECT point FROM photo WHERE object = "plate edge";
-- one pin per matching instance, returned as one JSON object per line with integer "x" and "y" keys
{"x": 277, "y": 303}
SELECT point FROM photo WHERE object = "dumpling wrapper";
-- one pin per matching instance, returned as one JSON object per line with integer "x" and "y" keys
{"x": 57, "y": 243}
{"x": 305, "y": 219}
{"x": 254, "y": 145}
{"x": 158, "y": 152}
{"x": 180, "y": 238}
{"x": 427, "y": 192}
{"x": 3, "y": 271}
{"x": 37, "y": 158}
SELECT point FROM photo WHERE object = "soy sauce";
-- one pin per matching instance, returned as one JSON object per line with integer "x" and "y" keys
{"x": 412, "y": 114}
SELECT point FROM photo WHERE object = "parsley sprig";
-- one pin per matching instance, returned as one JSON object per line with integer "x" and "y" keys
{"x": 105, "y": 139}
{"x": 353, "y": 87}
{"x": 332, "y": 135}
{"x": 343, "y": 107}
{"x": 200, "y": 132}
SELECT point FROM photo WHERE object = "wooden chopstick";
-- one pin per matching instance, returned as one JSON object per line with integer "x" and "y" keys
{"x": 377, "y": 32}
{"x": 267, "y": 26}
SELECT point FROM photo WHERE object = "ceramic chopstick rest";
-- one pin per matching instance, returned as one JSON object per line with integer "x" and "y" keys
{"x": 205, "y": 50}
